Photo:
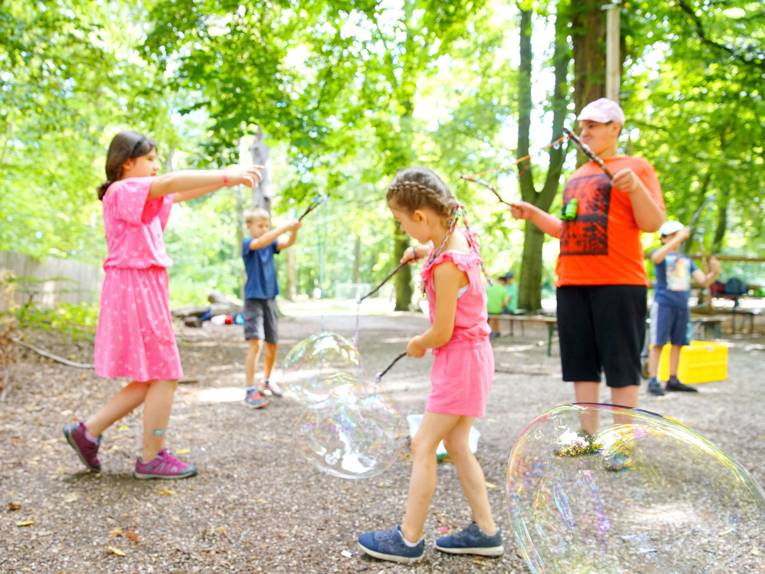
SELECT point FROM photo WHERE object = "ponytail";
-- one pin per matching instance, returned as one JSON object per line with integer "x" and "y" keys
{"x": 101, "y": 189}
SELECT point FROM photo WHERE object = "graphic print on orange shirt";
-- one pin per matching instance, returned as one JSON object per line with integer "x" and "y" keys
{"x": 588, "y": 233}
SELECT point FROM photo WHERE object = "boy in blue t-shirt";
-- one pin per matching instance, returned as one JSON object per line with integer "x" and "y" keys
{"x": 669, "y": 313}
{"x": 260, "y": 291}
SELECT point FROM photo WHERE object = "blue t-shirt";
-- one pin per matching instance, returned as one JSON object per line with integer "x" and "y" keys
{"x": 261, "y": 271}
{"x": 673, "y": 280}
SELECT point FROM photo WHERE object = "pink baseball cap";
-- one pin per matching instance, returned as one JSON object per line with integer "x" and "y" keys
{"x": 602, "y": 110}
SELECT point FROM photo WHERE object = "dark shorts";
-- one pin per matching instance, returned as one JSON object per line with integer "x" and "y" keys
{"x": 669, "y": 325}
{"x": 601, "y": 329}
{"x": 260, "y": 320}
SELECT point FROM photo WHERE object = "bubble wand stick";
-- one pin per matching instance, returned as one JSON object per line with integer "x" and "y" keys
{"x": 588, "y": 152}
{"x": 382, "y": 373}
{"x": 313, "y": 205}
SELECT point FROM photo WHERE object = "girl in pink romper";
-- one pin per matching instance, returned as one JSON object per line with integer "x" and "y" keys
{"x": 462, "y": 371}
{"x": 134, "y": 336}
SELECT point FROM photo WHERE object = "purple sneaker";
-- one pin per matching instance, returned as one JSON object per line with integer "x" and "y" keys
{"x": 85, "y": 448}
{"x": 165, "y": 466}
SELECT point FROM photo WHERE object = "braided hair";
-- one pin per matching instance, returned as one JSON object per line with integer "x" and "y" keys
{"x": 124, "y": 146}
{"x": 419, "y": 187}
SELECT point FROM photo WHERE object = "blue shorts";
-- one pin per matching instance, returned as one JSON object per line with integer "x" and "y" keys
{"x": 669, "y": 325}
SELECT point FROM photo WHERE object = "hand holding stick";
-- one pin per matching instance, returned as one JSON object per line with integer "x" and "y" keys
{"x": 391, "y": 274}
{"x": 588, "y": 152}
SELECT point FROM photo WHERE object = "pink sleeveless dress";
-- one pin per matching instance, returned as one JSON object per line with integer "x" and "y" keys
{"x": 134, "y": 336}
{"x": 463, "y": 369}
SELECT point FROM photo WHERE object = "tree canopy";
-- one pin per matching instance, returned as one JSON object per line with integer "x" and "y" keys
{"x": 350, "y": 92}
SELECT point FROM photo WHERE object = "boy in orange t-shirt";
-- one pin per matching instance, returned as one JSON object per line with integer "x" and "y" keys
{"x": 601, "y": 287}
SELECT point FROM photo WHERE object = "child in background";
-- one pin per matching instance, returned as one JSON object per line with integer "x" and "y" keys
{"x": 669, "y": 313}
{"x": 134, "y": 336}
{"x": 260, "y": 291}
{"x": 510, "y": 306}
{"x": 461, "y": 375}
{"x": 496, "y": 299}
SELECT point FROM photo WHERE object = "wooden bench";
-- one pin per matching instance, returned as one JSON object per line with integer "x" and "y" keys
{"x": 548, "y": 321}
{"x": 711, "y": 325}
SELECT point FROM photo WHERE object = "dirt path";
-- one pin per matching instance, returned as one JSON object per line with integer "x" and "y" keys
{"x": 257, "y": 505}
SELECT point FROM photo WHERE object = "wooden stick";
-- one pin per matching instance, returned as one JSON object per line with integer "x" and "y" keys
{"x": 51, "y": 356}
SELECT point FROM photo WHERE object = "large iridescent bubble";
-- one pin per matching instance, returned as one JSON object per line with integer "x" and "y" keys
{"x": 354, "y": 433}
{"x": 312, "y": 366}
{"x": 681, "y": 505}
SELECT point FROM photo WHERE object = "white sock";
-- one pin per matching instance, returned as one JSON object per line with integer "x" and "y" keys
{"x": 410, "y": 544}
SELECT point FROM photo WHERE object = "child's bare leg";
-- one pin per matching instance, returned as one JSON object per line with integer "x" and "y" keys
{"x": 156, "y": 416}
{"x": 470, "y": 473}
{"x": 626, "y": 397}
{"x": 674, "y": 359}
{"x": 653, "y": 360}
{"x": 119, "y": 405}
{"x": 269, "y": 359}
{"x": 588, "y": 392}
{"x": 422, "y": 483}
{"x": 251, "y": 362}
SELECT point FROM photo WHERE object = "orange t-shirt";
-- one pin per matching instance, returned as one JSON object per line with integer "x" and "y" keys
{"x": 602, "y": 245}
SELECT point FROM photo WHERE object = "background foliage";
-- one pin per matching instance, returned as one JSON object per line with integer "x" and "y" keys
{"x": 348, "y": 93}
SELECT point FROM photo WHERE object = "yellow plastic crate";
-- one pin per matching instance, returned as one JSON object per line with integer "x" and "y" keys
{"x": 700, "y": 362}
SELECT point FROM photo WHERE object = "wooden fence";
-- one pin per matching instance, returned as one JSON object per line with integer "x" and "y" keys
{"x": 49, "y": 282}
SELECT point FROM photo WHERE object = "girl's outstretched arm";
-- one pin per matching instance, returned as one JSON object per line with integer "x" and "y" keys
{"x": 181, "y": 196}
{"x": 210, "y": 179}
{"x": 448, "y": 281}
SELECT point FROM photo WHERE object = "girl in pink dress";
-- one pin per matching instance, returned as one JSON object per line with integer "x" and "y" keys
{"x": 462, "y": 371}
{"x": 134, "y": 336}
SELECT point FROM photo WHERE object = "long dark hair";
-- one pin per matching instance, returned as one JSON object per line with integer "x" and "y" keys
{"x": 125, "y": 145}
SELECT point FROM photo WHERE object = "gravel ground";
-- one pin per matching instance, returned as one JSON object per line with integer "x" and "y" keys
{"x": 257, "y": 505}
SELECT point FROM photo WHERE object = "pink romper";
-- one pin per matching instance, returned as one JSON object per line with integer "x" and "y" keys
{"x": 134, "y": 336}
{"x": 463, "y": 369}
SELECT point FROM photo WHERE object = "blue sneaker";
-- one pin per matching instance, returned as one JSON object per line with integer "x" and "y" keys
{"x": 254, "y": 399}
{"x": 389, "y": 545}
{"x": 472, "y": 540}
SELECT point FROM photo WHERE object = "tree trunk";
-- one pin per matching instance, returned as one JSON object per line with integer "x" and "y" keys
{"x": 403, "y": 279}
{"x": 530, "y": 283}
{"x": 357, "y": 260}
{"x": 722, "y": 219}
{"x": 588, "y": 22}
{"x": 529, "y": 289}
{"x": 291, "y": 276}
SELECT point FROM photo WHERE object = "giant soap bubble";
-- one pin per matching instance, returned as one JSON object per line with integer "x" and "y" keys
{"x": 354, "y": 433}
{"x": 681, "y": 505}
{"x": 313, "y": 365}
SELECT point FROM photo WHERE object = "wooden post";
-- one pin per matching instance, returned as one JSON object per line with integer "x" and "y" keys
{"x": 260, "y": 195}
{"x": 613, "y": 59}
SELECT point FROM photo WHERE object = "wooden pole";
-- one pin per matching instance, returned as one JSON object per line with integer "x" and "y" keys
{"x": 613, "y": 59}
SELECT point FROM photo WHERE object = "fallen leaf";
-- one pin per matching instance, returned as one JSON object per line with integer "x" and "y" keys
{"x": 11, "y": 506}
{"x": 116, "y": 532}
{"x": 123, "y": 428}
{"x": 24, "y": 523}
{"x": 182, "y": 450}
{"x": 132, "y": 536}
{"x": 116, "y": 551}
{"x": 164, "y": 491}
